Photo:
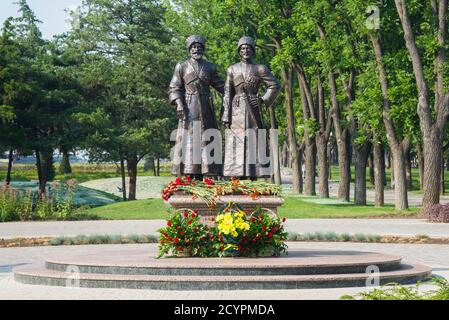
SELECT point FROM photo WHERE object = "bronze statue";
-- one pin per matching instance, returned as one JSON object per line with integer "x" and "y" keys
{"x": 189, "y": 91}
{"x": 242, "y": 113}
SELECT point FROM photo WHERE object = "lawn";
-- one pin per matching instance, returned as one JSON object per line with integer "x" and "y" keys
{"x": 294, "y": 207}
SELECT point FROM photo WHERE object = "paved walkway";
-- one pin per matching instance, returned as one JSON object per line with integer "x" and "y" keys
{"x": 435, "y": 256}
{"x": 398, "y": 227}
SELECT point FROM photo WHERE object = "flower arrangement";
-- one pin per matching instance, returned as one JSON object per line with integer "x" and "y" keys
{"x": 235, "y": 233}
{"x": 210, "y": 190}
{"x": 185, "y": 235}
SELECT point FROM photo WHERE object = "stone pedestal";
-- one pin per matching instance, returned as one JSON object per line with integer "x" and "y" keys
{"x": 182, "y": 201}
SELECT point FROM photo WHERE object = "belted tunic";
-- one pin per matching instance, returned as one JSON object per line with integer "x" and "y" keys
{"x": 191, "y": 82}
{"x": 241, "y": 108}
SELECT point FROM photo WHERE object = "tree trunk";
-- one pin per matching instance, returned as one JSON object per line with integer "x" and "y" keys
{"x": 132, "y": 174}
{"x": 284, "y": 155}
{"x": 378, "y": 175}
{"x": 360, "y": 160}
{"x": 64, "y": 166}
{"x": 400, "y": 180}
{"x": 44, "y": 164}
{"x": 287, "y": 80}
{"x": 329, "y": 159}
{"x": 158, "y": 167}
{"x": 421, "y": 166}
{"x": 344, "y": 166}
{"x": 408, "y": 167}
{"x": 371, "y": 168}
{"x": 387, "y": 160}
{"x": 10, "y": 161}
{"x": 122, "y": 171}
{"x": 153, "y": 161}
{"x": 392, "y": 182}
{"x": 442, "y": 187}
{"x": 300, "y": 177}
{"x": 342, "y": 143}
{"x": 323, "y": 167}
{"x": 310, "y": 163}
{"x": 274, "y": 147}
{"x": 432, "y": 168}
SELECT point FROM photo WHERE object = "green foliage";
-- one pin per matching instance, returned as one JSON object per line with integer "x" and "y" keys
{"x": 395, "y": 291}
{"x": 185, "y": 234}
{"x": 57, "y": 204}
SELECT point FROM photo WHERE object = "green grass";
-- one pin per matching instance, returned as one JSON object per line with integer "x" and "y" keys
{"x": 132, "y": 210}
{"x": 294, "y": 207}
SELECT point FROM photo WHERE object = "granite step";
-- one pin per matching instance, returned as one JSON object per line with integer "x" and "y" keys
{"x": 40, "y": 275}
{"x": 297, "y": 262}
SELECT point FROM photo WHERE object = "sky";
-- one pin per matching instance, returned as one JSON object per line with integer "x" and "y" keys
{"x": 50, "y": 12}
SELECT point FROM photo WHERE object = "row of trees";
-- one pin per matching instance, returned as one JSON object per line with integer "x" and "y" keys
{"x": 370, "y": 87}
{"x": 375, "y": 85}
{"x": 100, "y": 87}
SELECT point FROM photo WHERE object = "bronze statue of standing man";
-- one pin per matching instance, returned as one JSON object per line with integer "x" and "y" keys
{"x": 190, "y": 92}
{"x": 244, "y": 147}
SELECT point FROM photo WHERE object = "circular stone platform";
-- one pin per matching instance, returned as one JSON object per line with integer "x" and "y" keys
{"x": 137, "y": 268}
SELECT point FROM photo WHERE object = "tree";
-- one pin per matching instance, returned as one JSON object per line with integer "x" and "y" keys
{"x": 129, "y": 43}
{"x": 432, "y": 119}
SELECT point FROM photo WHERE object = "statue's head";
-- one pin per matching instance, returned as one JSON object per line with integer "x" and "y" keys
{"x": 196, "y": 45}
{"x": 246, "y": 48}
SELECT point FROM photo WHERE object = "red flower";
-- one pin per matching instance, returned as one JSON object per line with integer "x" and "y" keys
{"x": 162, "y": 241}
{"x": 195, "y": 211}
{"x": 283, "y": 219}
{"x": 222, "y": 249}
{"x": 169, "y": 223}
{"x": 203, "y": 238}
{"x": 179, "y": 248}
{"x": 212, "y": 238}
{"x": 249, "y": 210}
{"x": 193, "y": 215}
{"x": 270, "y": 234}
{"x": 264, "y": 228}
{"x": 182, "y": 233}
{"x": 186, "y": 214}
{"x": 195, "y": 229}
{"x": 189, "y": 222}
{"x": 178, "y": 227}
{"x": 209, "y": 182}
{"x": 176, "y": 240}
{"x": 253, "y": 219}
{"x": 170, "y": 239}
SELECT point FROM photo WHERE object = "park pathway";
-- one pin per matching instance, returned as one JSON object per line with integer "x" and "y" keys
{"x": 397, "y": 227}
{"x": 435, "y": 256}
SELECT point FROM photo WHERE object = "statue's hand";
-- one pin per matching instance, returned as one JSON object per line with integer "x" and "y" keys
{"x": 261, "y": 101}
{"x": 180, "y": 109}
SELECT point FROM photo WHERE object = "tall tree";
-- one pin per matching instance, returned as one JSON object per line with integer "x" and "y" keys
{"x": 432, "y": 118}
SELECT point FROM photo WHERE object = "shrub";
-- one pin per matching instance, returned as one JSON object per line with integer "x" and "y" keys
{"x": 397, "y": 292}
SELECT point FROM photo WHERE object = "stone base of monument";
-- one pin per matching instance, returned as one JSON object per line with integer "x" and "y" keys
{"x": 183, "y": 201}
{"x": 136, "y": 268}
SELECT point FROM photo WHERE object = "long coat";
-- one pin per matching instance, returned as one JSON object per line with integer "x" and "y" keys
{"x": 241, "y": 108}
{"x": 190, "y": 83}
